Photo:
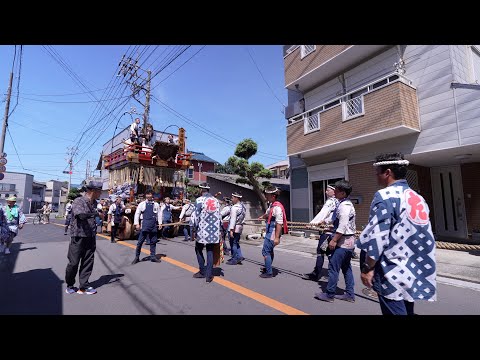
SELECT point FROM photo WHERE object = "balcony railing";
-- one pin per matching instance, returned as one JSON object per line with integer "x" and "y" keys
{"x": 351, "y": 107}
{"x": 356, "y": 118}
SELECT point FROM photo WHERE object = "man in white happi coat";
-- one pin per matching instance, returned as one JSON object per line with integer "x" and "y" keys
{"x": 235, "y": 228}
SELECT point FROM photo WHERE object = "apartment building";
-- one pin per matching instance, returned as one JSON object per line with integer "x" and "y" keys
{"x": 348, "y": 103}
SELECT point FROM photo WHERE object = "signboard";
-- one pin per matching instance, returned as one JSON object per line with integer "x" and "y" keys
{"x": 2, "y": 176}
{"x": 2, "y": 169}
{"x": 3, "y": 161}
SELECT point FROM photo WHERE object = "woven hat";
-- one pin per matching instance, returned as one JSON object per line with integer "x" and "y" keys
{"x": 12, "y": 198}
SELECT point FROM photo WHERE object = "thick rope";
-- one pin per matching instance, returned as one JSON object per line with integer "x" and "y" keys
{"x": 308, "y": 226}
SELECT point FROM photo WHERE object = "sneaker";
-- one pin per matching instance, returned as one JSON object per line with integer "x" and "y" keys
{"x": 71, "y": 290}
{"x": 323, "y": 278}
{"x": 198, "y": 275}
{"x": 310, "y": 276}
{"x": 7, "y": 251}
{"x": 266, "y": 276}
{"x": 209, "y": 279}
{"x": 154, "y": 259}
{"x": 136, "y": 260}
{"x": 65, "y": 234}
{"x": 232, "y": 262}
{"x": 324, "y": 297}
{"x": 89, "y": 291}
{"x": 113, "y": 241}
{"x": 263, "y": 269}
{"x": 345, "y": 297}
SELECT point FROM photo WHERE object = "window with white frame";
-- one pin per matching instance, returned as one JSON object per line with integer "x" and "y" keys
{"x": 307, "y": 49}
{"x": 475, "y": 54}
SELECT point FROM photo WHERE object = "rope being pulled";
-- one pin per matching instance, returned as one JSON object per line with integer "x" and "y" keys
{"x": 307, "y": 226}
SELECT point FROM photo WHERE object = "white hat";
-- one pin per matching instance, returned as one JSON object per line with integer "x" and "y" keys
{"x": 271, "y": 190}
{"x": 204, "y": 185}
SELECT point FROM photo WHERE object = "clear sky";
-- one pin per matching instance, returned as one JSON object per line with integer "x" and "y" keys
{"x": 218, "y": 89}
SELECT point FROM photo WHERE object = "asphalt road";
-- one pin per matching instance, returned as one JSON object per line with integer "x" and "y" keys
{"x": 32, "y": 282}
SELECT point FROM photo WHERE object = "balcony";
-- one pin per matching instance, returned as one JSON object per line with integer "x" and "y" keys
{"x": 381, "y": 110}
{"x": 323, "y": 63}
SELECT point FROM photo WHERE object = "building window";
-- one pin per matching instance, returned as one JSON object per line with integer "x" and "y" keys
{"x": 475, "y": 54}
{"x": 312, "y": 122}
{"x": 7, "y": 187}
{"x": 307, "y": 49}
{"x": 190, "y": 173}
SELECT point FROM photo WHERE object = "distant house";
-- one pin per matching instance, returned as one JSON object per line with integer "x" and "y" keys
{"x": 279, "y": 169}
{"x": 201, "y": 164}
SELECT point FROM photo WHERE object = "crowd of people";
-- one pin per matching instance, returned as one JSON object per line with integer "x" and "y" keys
{"x": 397, "y": 244}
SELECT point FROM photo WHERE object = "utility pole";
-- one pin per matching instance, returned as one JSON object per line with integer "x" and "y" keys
{"x": 5, "y": 118}
{"x": 71, "y": 152}
{"x": 147, "y": 103}
{"x": 130, "y": 70}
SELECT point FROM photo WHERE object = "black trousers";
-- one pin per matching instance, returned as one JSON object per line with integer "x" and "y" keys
{"x": 80, "y": 252}
{"x": 113, "y": 231}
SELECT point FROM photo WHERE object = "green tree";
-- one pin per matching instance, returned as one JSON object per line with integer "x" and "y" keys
{"x": 73, "y": 194}
{"x": 250, "y": 174}
{"x": 224, "y": 169}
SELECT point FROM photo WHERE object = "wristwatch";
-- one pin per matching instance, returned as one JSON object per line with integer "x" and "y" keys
{"x": 366, "y": 268}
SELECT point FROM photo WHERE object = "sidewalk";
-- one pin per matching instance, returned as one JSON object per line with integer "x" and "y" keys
{"x": 453, "y": 264}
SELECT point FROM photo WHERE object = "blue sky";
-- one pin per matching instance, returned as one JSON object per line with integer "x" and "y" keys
{"x": 219, "y": 89}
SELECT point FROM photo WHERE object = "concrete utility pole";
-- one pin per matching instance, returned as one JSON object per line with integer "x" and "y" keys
{"x": 130, "y": 70}
{"x": 5, "y": 118}
{"x": 147, "y": 103}
{"x": 71, "y": 152}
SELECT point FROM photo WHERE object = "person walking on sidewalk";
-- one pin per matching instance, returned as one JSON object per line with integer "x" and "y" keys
{"x": 400, "y": 260}
{"x": 83, "y": 240}
{"x": 276, "y": 220}
{"x": 115, "y": 217}
{"x": 324, "y": 217}
{"x": 15, "y": 220}
{"x": 207, "y": 222}
{"x": 148, "y": 211}
{"x": 235, "y": 228}
{"x": 341, "y": 246}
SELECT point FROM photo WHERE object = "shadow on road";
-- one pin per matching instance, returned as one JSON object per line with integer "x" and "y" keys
{"x": 106, "y": 279}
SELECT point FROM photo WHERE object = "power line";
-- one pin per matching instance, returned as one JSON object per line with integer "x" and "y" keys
{"x": 40, "y": 132}
{"x": 72, "y": 94}
{"x": 209, "y": 132}
{"x": 72, "y": 102}
{"x": 180, "y": 66}
{"x": 276, "y": 97}
{"x": 15, "y": 147}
